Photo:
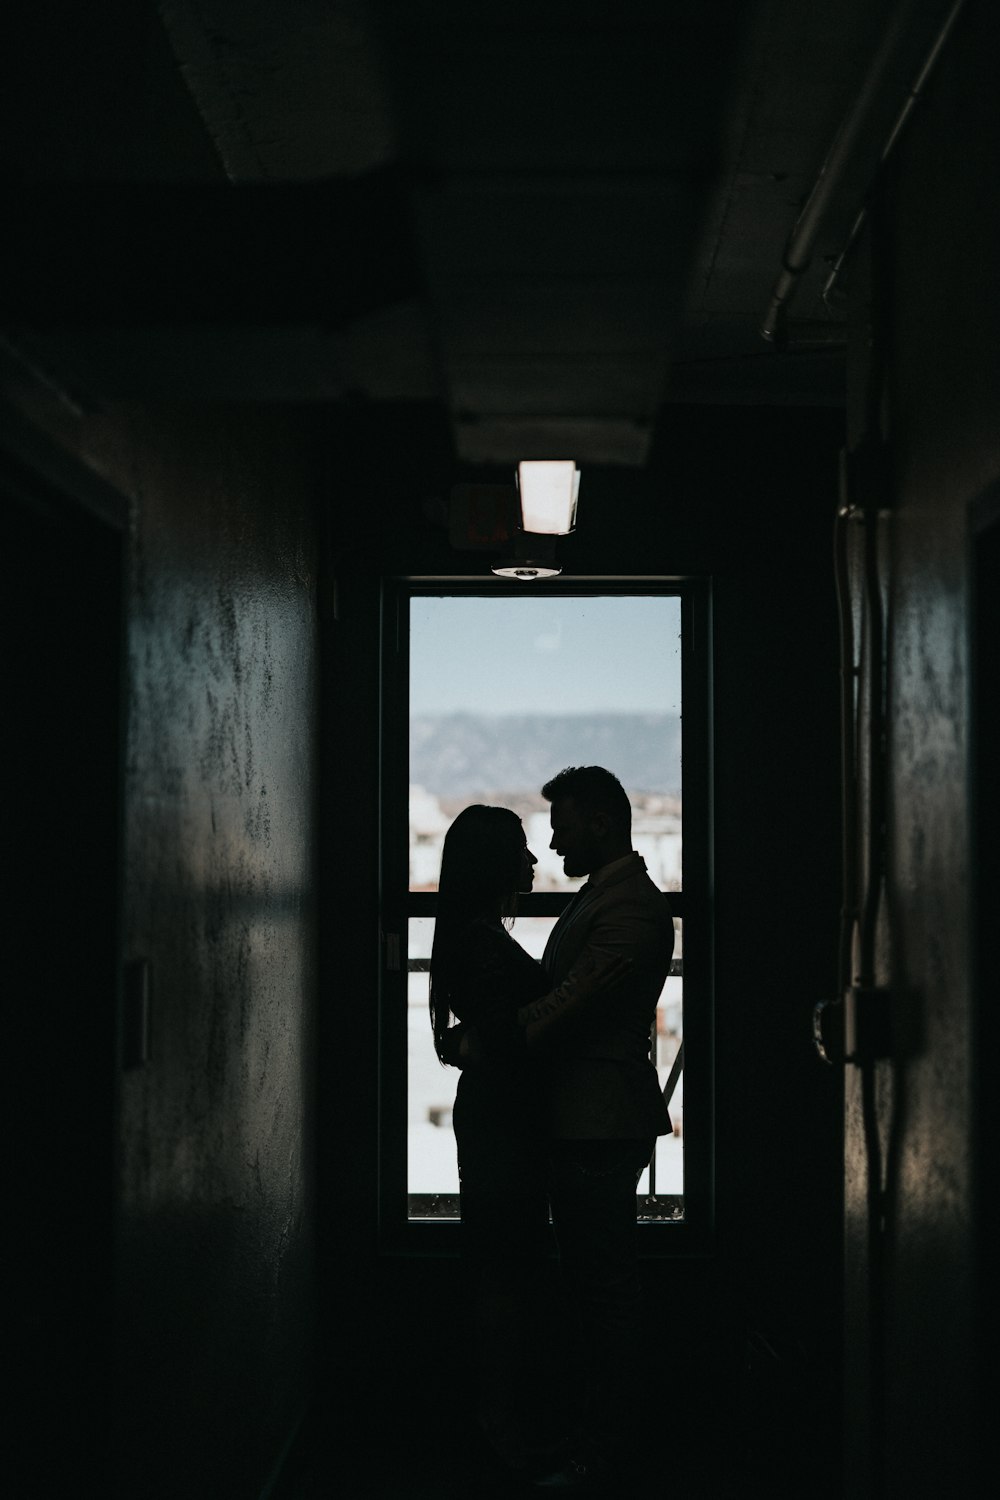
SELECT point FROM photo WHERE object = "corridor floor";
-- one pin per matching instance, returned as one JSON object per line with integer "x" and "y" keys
{"x": 436, "y": 1455}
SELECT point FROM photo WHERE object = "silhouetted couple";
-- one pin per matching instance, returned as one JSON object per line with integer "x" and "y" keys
{"x": 559, "y": 1107}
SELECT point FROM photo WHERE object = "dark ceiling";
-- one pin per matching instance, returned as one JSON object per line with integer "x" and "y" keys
{"x": 552, "y": 218}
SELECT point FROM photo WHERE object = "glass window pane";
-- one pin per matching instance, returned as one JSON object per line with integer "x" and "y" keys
{"x": 668, "y": 1157}
{"x": 504, "y": 692}
{"x": 431, "y": 1164}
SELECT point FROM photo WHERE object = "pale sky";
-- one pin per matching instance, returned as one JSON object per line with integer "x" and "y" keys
{"x": 544, "y": 654}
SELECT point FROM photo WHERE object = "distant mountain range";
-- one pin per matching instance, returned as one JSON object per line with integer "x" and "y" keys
{"x": 461, "y": 755}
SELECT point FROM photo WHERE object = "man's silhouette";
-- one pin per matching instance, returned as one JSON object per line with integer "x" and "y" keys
{"x": 604, "y": 1107}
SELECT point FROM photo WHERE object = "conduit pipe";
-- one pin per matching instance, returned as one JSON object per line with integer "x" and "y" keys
{"x": 799, "y": 248}
{"x": 848, "y": 746}
{"x": 916, "y": 90}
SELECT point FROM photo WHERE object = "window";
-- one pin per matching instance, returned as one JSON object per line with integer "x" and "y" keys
{"x": 489, "y": 691}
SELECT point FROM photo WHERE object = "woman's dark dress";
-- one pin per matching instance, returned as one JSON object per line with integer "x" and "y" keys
{"x": 498, "y": 1127}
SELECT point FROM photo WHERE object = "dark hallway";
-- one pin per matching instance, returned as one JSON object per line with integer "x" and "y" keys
{"x": 280, "y": 283}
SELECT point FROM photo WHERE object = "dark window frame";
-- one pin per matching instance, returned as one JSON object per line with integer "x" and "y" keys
{"x": 693, "y": 1234}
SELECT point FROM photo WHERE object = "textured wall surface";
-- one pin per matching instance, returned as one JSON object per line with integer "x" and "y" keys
{"x": 944, "y": 383}
{"x": 215, "y": 1275}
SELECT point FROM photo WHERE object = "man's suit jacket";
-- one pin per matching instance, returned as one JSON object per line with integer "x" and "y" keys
{"x": 607, "y": 957}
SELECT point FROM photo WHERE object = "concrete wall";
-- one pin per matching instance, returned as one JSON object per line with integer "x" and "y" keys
{"x": 214, "y": 1294}
{"x": 913, "y": 1426}
{"x": 216, "y": 1138}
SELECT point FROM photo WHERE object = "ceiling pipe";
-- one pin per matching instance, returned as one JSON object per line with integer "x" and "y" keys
{"x": 916, "y": 91}
{"x": 799, "y": 248}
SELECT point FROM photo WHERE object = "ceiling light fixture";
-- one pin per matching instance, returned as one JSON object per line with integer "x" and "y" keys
{"x": 547, "y": 490}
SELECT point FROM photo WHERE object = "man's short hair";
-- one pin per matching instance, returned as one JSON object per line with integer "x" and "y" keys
{"x": 594, "y": 790}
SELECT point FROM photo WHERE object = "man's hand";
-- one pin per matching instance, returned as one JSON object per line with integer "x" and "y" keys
{"x": 589, "y": 986}
{"x": 592, "y": 974}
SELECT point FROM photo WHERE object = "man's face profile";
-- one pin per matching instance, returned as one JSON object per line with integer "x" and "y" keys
{"x": 573, "y": 837}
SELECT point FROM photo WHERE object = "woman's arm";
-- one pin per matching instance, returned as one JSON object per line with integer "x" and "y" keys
{"x": 497, "y": 977}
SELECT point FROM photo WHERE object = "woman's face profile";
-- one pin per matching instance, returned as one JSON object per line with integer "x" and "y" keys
{"x": 526, "y": 877}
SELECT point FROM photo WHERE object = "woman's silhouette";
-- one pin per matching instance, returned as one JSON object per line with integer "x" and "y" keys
{"x": 480, "y": 976}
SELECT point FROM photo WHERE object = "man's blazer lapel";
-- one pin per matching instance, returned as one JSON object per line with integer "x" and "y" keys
{"x": 581, "y": 905}
{"x": 567, "y": 920}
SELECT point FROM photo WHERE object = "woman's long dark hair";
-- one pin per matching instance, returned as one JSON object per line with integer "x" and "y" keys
{"x": 480, "y": 871}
